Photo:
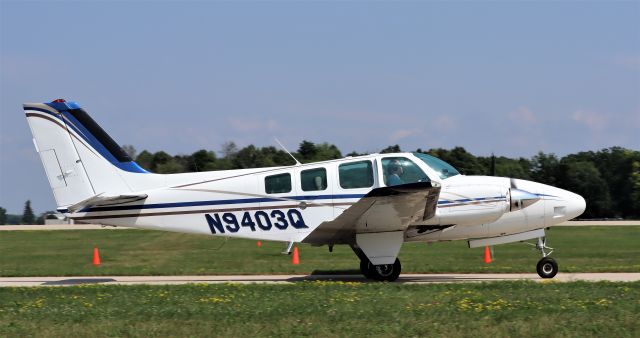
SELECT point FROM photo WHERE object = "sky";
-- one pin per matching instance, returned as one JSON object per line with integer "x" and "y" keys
{"x": 503, "y": 77}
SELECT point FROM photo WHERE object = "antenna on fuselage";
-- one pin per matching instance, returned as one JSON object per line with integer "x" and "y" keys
{"x": 287, "y": 151}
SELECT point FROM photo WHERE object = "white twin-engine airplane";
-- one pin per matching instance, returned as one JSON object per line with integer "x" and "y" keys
{"x": 372, "y": 203}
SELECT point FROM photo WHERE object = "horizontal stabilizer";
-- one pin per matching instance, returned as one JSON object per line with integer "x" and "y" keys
{"x": 100, "y": 200}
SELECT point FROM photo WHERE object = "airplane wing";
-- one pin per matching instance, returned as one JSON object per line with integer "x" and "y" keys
{"x": 100, "y": 200}
{"x": 381, "y": 210}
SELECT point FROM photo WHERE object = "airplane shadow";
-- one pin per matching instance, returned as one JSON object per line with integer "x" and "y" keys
{"x": 336, "y": 272}
{"x": 355, "y": 276}
{"x": 77, "y": 281}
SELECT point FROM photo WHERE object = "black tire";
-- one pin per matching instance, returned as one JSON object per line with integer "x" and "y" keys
{"x": 385, "y": 272}
{"x": 547, "y": 267}
{"x": 365, "y": 270}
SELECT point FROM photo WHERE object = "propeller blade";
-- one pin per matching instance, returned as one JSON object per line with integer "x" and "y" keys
{"x": 513, "y": 183}
{"x": 521, "y": 199}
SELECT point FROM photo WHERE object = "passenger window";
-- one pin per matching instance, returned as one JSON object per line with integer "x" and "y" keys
{"x": 277, "y": 184}
{"x": 313, "y": 179}
{"x": 401, "y": 170}
{"x": 356, "y": 175}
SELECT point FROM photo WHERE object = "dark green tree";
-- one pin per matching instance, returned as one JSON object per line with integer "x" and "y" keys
{"x": 252, "y": 157}
{"x": 616, "y": 167}
{"x": 391, "y": 149}
{"x": 634, "y": 181}
{"x": 246, "y": 157}
{"x": 144, "y": 159}
{"x": 160, "y": 158}
{"x": 583, "y": 178}
{"x": 544, "y": 168}
{"x": 163, "y": 163}
{"x": 274, "y": 157}
{"x": 506, "y": 167}
{"x": 202, "y": 160}
{"x": 460, "y": 159}
{"x": 172, "y": 166}
{"x": 307, "y": 151}
{"x": 27, "y": 216}
{"x": 326, "y": 151}
{"x": 3, "y": 216}
{"x": 492, "y": 167}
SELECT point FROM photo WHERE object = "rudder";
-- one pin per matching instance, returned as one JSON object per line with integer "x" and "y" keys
{"x": 80, "y": 159}
{"x": 66, "y": 173}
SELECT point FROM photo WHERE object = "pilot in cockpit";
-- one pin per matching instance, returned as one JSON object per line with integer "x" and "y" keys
{"x": 394, "y": 171}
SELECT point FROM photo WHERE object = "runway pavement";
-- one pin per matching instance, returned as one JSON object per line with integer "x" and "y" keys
{"x": 283, "y": 279}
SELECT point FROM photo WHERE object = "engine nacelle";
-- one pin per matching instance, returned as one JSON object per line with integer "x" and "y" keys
{"x": 470, "y": 205}
{"x": 520, "y": 199}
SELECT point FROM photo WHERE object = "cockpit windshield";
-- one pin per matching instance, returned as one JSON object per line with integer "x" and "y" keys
{"x": 401, "y": 170}
{"x": 443, "y": 168}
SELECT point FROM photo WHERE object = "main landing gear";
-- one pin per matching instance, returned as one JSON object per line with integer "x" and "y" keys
{"x": 547, "y": 266}
{"x": 383, "y": 272}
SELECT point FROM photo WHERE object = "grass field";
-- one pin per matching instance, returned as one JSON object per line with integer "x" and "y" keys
{"x": 324, "y": 309}
{"x": 137, "y": 252}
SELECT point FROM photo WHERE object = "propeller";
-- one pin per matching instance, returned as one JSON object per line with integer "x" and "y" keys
{"x": 513, "y": 183}
{"x": 520, "y": 199}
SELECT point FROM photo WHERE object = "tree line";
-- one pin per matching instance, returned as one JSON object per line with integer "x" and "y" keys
{"x": 609, "y": 179}
{"x": 27, "y": 217}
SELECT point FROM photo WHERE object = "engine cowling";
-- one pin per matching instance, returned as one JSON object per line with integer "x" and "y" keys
{"x": 520, "y": 199}
{"x": 471, "y": 205}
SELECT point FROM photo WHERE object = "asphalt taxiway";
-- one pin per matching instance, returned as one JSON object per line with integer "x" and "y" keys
{"x": 282, "y": 279}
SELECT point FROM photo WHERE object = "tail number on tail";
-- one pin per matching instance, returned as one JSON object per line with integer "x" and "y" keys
{"x": 262, "y": 220}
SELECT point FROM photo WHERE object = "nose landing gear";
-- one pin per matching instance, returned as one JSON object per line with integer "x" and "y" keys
{"x": 547, "y": 266}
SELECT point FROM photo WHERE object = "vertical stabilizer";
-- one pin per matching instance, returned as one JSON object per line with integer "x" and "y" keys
{"x": 65, "y": 171}
{"x": 80, "y": 159}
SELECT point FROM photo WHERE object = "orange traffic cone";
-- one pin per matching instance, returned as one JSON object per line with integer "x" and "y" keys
{"x": 296, "y": 259}
{"x": 96, "y": 257}
{"x": 487, "y": 255}
{"x": 259, "y": 244}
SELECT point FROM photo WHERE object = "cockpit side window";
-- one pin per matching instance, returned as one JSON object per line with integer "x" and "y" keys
{"x": 401, "y": 170}
{"x": 356, "y": 175}
{"x": 313, "y": 179}
{"x": 277, "y": 184}
{"x": 441, "y": 167}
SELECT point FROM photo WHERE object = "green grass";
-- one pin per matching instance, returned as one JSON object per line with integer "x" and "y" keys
{"x": 137, "y": 252}
{"x": 324, "y": 309}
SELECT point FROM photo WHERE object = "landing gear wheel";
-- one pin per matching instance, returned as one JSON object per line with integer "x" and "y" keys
{"x": 384, "y": 272}
{"x": 547, "y": 267}
{"x": 365, "y": 270}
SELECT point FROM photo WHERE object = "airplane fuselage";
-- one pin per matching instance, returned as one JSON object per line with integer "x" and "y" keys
{"x": 373, "y": 203}
{"x": 236, "y": 203}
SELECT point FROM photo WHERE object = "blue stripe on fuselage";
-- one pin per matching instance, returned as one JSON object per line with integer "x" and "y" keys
{"x": 255, "y": 200}
{"x": 467, "y": 200}
{"x": 217, "y": 202}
